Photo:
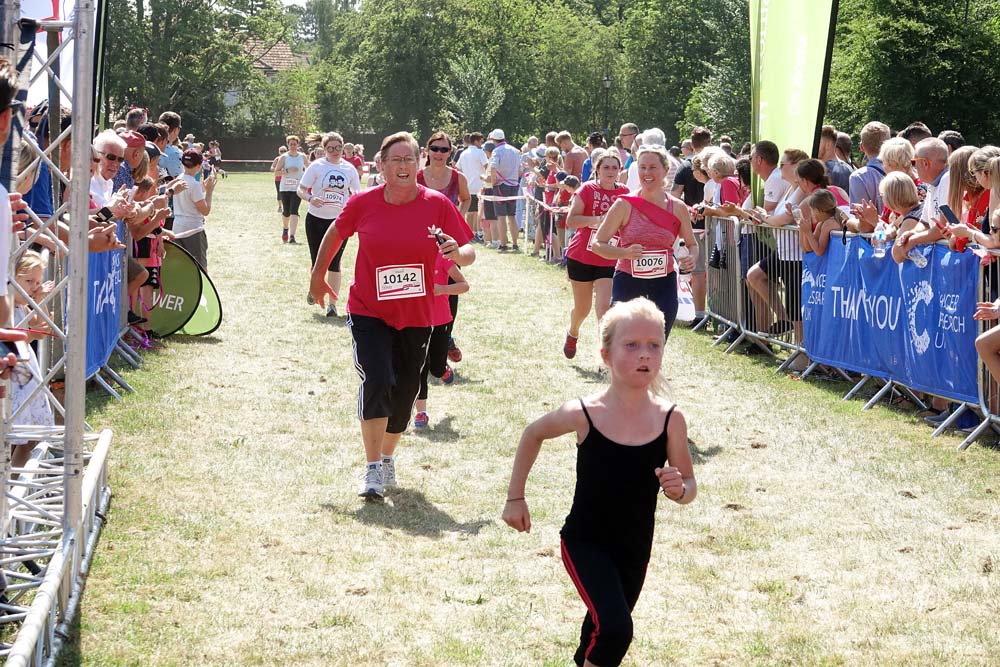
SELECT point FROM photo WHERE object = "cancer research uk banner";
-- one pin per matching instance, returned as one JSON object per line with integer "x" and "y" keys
{"x": 900, "y": 322}
{"x": 104, "y": 273}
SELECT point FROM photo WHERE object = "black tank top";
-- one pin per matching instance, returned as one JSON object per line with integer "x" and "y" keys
{"x": 614, "y": 504}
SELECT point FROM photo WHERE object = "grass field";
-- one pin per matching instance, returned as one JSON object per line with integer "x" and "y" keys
{"x": 821, "y": 535}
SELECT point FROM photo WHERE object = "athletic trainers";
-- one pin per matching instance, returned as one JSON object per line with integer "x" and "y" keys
{"x": 454, "y": 354}
{"x": 421, "y": 420}
{"x": 309, "y": 298}
{"x": 331, "y": 310}
{"x": 373, "y": 487}
{"x": 284, "y": 236}
{"x": 292, "y": 241}
{"x": 388, "y": 472}
{"x": 569, "y": 347}
{"x": 449, "y": 376}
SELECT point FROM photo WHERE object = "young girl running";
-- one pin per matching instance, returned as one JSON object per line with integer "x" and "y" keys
{"x": 449, "y": 282}
{"x": 632, "y": 445}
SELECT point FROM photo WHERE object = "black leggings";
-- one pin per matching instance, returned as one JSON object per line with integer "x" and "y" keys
{"x": 389, "y": 382}
{"x": 610, "y": 587}
{"x": 315, "y": 231}
{"x": 437, "y": 357}
{"x": 661, "y": 291}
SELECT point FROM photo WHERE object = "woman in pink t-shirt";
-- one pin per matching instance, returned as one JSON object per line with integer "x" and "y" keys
{"x": 402, "y": 228}
{"x": 589, "y": 273}
{"x": 648, "y": 223}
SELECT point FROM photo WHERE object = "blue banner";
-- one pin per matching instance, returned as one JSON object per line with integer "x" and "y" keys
{"x": 103, "y": 307}
{"x": 902, "y": 322}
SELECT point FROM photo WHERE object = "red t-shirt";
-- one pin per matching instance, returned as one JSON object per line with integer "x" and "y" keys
{"x": 596, "y": 201}
{"x": 356, "y": 161}
{"x": 565, "y": 196}
{"x": 394, "y": 268}
{"x": 731, "y": 191}
{"x": 442, "y": 306}
{"x": 978, "y": 209}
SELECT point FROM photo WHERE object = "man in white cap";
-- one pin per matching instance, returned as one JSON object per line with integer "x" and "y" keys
{"x": 505, "y": 173}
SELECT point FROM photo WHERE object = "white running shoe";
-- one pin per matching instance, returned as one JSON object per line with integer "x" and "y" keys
{"x": 388, "y": 473}
{"x": 372, "y": 488}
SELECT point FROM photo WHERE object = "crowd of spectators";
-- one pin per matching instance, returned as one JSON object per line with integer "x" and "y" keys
{"x": 901, "y": 179}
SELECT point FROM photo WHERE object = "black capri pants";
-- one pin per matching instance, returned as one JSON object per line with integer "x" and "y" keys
{"x": 290, "y": 201}
{"x": 661, "y": 291}
{"x": 315, "y": 231}
{"x": 389, "y": 382}
{"x": 609, "y": 585}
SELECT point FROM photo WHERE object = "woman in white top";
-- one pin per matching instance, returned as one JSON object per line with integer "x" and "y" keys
{"x": 326, "y": 185}
{"x": 190, "y": 208}
{"x": 290, "y": 167}
{"x": 762, "y": 278}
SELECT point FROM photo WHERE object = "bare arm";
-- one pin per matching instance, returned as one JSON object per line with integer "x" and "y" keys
{"x": 614, "y": 219}
{"x": 576, "y": 219}
{"x": 459, "y": 285}
{"x": 328, "y": 247}
{"x": 565, "y": 420}
{"x": 677, "y": 479}
{"x": 464, "y": 198}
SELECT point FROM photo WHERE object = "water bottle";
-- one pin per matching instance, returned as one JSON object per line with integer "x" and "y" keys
{"x": 681, "y": 252}
{"x": 878, "y": 239}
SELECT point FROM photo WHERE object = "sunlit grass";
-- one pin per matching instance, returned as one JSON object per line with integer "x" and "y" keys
{"x": 822, "y": 534}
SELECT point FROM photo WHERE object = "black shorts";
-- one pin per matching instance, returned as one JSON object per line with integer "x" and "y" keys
{"x": 474, "y": 203}
{"x": 154, "y": 277}
{"x": 290, "y": 201}
{"x": 587, "y": 273}
{"x": 489, "y": 209}
{"x": 277, "y": 189}
{"x": 789, "y": 272}
{"x": 505, "y": 207}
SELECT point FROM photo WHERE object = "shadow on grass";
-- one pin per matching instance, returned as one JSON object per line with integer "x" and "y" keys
{"x": 321, "y": 318}
{"x": 411, "y": 512}
{"x": 699, "y": 455}
{"x": 181, "y": 339}
{"x": 70, "y": 655}
{"x": 442, "y": 431}
{"x": 590, "y": 374}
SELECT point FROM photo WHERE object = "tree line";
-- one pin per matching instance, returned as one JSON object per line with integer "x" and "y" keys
{"x": 529, "y": 66}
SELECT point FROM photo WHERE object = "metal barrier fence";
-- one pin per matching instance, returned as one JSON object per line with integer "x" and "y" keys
{"x": 755, "y": 294}
{"x": 53, "y": 508}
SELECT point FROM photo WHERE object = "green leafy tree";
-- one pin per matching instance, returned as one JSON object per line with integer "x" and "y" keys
{"x": 472, "y": 93}
{"x": 404, "y": 57}
{"x": 184, "y": 56}
{"x": 722, "y": 100}
{"x": 903, "y": 60}
{"x": 667, "y": 47}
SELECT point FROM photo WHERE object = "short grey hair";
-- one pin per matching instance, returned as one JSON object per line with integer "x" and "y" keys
{"x": 109, "y": 138}
{"x": 654, "y": 136}
{"x": 722, "y": 164}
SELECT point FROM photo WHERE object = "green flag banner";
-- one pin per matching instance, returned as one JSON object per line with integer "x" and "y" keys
{"x": 180, "y": 292}
{"x": 791, "y": 42}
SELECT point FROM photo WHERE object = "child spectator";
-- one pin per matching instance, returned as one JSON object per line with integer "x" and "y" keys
{"x": 28, "y": 410}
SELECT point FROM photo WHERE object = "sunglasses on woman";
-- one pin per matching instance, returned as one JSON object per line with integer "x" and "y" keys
{"x": 439, "y": 149}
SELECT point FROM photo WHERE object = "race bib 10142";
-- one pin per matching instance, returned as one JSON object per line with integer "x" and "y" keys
{"x": 400, "y": 281}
